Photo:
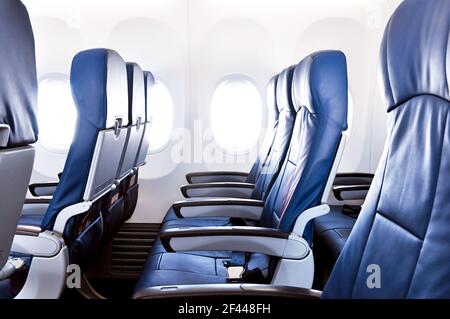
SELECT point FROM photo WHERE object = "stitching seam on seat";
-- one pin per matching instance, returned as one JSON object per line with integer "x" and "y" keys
{"x": 434, "y": 201}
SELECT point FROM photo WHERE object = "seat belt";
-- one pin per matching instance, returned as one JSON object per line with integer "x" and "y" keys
{"x": 236, "y": 267}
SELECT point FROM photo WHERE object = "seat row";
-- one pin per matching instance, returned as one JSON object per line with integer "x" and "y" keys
{"x": 98, "y": 188}
{"x": 263, "y": 233}
{"x": 257, "y": 227}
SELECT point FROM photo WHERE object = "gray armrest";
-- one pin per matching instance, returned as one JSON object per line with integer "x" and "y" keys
{"x": 43, "y": 189}
{"x": 220, "y": 207}
{"x": 225, "y": 189}
{"x": 262, "y": 240}
{"x": 216, "y": 176}
{"x": 351, "y": 192}
{"x": 226, "y": 290}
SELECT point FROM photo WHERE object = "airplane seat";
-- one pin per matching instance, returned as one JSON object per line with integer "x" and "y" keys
{"x": 117, "y": 209}
{"x": 398, "y": 247}
{"x": 269, "y": 169}
{"x": 255, "y": 171}
{"x": 276, "y": 250}
{"x": 131, "y": 186}
{"x": 18, "y": 130}
{"x": 99, "y": 87}
{"x": 72, "y": 228}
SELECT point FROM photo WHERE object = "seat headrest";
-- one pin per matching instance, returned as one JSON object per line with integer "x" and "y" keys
{"x": 416, "y": 63}
{"x": 136, "y": 94}
{"x": 271, "y": 100}
{"x": 18, "y": 80}
{"x": 149, "y": 81}
{"x": 98, "y": 79}
{"x": 283, "y": 93}
{"x": 320, "y": 85}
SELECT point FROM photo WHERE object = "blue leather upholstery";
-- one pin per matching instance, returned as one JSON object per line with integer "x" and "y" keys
{"x": 280, "y": 145}
{"x": 321, "y": 119}
{"x": 18, "y": 81}
{"x": 404, "y": 224}
{"x": 331, "y": 232}
{"x": 99, "y": 87}
{"x": 272, "y": 125}
{"x": 319, "y": 94}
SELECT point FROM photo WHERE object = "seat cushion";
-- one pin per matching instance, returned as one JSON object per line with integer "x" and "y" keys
{"x": 331, "y": 232}
{"x": 31, "y": 220}
{"x": 164, "y": 269}
{"x": 172, "y": 220}
{"x": 195, "y": 267}
{"x": 33, "y": 214}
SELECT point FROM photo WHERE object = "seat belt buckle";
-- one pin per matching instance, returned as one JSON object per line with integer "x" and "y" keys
{"x": 235, "y": 273}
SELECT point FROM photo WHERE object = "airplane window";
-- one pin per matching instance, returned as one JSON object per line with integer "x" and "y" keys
{"x": 161, "y": 112}
{"x": 56, "y": 112}
{"x": 236, "y": 114}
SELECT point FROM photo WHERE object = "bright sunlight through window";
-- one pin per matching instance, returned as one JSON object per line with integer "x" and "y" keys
{"x": 236, "y": 115}
{"x": 56, "y": 113}
{"x": 161, "y": 112}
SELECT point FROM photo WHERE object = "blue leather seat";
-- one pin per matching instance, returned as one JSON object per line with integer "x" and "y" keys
{"x": 119, "y": 210}
{"x": 266, "y": 172}
{"x": 18, "y": 130}
{"x": 319, "y": 94}
{"x": 130, "y": 186}
{"x": 402, "y": 232}
{"x": 99, "y": 87}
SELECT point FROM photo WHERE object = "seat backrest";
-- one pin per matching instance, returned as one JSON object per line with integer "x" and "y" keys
{"x": 99, "y": 87}
{"x": 136, "y": 122}
{"x": 18, "y": 125}
{"x": 399, "y": 247}
{"x": 286, "y": 117}
{"x": 272, "y": 125}
{"x": 149, "y": 81}
{"x": 319, "y": 92}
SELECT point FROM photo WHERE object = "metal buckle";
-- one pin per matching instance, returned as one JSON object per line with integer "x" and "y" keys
{"x": 235, "y": 272}
{"x": 16, "y": 262}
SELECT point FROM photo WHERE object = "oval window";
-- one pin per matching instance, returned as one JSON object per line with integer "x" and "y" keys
{"x": 161, "y": 112}
{"x": 56, "y": 112}
{"x": 236, "y": 114}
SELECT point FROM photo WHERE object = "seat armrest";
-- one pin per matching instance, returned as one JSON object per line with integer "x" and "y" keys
{"x": 219, "y": 207}
{"x": 226, "y": 290}
{"x": 262, "y": 240}
{"x": 342, "y": 179}
{"x": 225, "y": 189}
{"x": 216, "y": 176}
{"x": 351, "y": 192}
{"x": 29, "y": 241}
{"x": 43, "y": 189}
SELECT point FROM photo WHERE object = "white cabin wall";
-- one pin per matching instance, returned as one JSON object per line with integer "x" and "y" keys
{"x": 190, "y": 45}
